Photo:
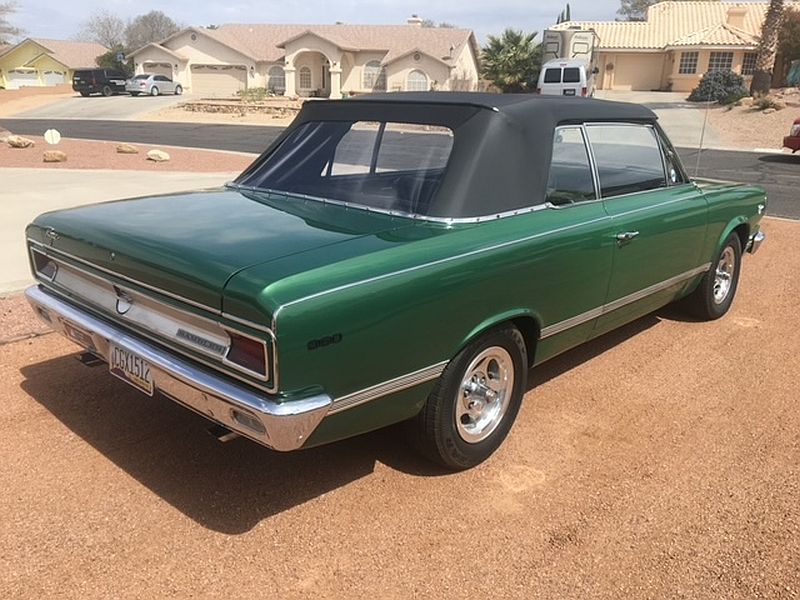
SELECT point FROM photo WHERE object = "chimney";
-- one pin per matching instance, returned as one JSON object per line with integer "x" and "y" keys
{"x": 736, "y": 16}
{"x": 414, "y": 21}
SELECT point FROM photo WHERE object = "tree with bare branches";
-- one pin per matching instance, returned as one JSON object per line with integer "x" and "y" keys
{"x": 104, "y": 28}
{"x": 7, "y": 30}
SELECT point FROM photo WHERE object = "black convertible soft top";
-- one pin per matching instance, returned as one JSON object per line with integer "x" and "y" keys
{"x": 501, "y": 142}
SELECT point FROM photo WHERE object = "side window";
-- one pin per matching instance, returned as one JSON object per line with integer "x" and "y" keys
{"x": 628, "y": 158}
{"x": 570, "y": 179}
{"x": 675, "y": 173}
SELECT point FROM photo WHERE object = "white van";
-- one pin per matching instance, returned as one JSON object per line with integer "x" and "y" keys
{"x": 565, "y": 77}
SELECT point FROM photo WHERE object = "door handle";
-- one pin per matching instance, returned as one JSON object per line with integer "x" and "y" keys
{"x": 625, "y": 237}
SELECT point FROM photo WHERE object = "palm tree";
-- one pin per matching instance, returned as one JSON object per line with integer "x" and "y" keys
{"x": 767, "y": 48}
{"x": 512, "y": 61}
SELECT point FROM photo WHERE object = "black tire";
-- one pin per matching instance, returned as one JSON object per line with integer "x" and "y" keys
{"x": 154, "y": 91}
{"x": 85, "y": 94}
{"x": 106, "y": 91}
{"x": 436, "y": 430}
{"x": 178, "y": 90}
{"x": 714, "y": 294}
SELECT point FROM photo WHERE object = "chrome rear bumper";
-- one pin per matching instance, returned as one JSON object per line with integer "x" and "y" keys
{"x": 281, "y": 425}
{"x": 755, "y": 241}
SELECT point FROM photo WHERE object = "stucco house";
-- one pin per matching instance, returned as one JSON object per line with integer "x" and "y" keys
{"x": 40, "y": 62}
{"x": 676, "y": 44}
{"x": 315, "y": 60}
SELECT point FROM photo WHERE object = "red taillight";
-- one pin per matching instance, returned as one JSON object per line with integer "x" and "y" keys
{"x": 247, "y": 353}
{"x": 583, "y": 91}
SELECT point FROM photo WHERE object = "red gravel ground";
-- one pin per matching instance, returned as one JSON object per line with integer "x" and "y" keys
{"x": 660, "y": 461}
{"x": 82, "y": 154}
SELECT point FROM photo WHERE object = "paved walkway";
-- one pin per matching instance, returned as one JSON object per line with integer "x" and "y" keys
{"x": 683, "y": 121}
{"x": 29, "y": 192}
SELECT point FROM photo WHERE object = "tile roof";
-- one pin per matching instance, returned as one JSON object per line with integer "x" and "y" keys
{"x": 682, "y": 24}
{"x": 72, "y": 54}
{"x": 264, "y": 42}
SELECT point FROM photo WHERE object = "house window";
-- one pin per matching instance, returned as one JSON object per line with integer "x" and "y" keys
{"x": 720, "y": 61}
{"x": 374, "y": 76}
{"x": 688, "y": 64}
{"x": 749, "y": 63}
{"x": 417, "y": 81}
{"x": 277, "y": 80}
{"x": 305, "y": 78}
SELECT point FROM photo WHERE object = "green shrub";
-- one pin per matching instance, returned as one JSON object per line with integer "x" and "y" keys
{"x": 253, "y": 94}
{"x": 724, "y": 87}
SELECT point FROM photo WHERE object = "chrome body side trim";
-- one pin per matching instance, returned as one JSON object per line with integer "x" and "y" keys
{"x": 755, "y": 241}
{"x": 589, "y": 315}
{"x": 261, "y": 417}
{"x": 387, "y": 387}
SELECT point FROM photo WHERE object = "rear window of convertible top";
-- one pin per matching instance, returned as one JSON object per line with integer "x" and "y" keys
{"x": 395, "y": 167}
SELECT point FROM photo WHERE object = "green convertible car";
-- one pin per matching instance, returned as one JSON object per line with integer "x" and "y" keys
{"x": 395, "y": 257}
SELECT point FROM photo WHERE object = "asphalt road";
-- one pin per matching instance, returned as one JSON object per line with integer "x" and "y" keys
{"x": 779, "y": 174}
{"x": 659, "y": 461}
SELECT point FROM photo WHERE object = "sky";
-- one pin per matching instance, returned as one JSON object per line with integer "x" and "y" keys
{"x": 62, "y": 19}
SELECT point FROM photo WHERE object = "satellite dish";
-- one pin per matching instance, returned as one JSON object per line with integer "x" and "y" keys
{"x": 52, "y": 136}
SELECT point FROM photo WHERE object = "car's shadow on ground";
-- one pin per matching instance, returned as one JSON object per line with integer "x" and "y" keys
{"x": 786, "y": 159}
{"x": 231, "y": 487}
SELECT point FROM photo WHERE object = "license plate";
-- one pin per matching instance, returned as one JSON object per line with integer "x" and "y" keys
{"x": 78, "y": 335}
{"x": 131, "y": 368}
{"x": 569, "y": 92}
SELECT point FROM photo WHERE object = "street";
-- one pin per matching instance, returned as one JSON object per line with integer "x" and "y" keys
{"x": 779, "y": 174}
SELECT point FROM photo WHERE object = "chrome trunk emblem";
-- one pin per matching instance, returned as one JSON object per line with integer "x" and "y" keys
{"x": 124, "y": 301}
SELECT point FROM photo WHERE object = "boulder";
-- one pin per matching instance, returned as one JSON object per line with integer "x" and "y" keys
{"x": 746, "y": 101}
{"x": 54, "y": 156}
{"x": 768, "y": 111}
{"x": 4, "y": 135}
{"x": 157, "y": 156}
{"x": 779, "y": 105}
{"x": 17, "y": 141}
{"x": 127, "y": 149}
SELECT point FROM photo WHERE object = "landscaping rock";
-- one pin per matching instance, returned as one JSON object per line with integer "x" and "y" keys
{"x": 4, "y": 135}
{"x": 779, "y": 105}
{"x": 17, "y": 141}
{"x": 127, "y": 149}
{"x": 54, "y": 156}
{"x": 746, "y": 101}
{"x": 157, "y": 156}
{"x": 768, "y": 111}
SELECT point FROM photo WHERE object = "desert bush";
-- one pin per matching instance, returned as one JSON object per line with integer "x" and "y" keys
{"x": 724, "y": 87}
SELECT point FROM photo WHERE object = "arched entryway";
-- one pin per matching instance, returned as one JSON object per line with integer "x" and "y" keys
{"x": 312, "y": 74}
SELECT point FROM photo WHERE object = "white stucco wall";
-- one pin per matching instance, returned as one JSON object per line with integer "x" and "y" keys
{"x": 207, "y": 51}
{"x": 397, "y": 72}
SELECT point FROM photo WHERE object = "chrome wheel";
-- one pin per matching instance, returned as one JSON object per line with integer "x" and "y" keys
{"x": 724, "y": 274}
{"x": 484, "y": 394}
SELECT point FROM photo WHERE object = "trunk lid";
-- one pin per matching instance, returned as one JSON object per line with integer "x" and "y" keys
{"x": 191, "y": 244}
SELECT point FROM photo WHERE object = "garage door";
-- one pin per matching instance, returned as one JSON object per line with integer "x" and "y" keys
{"x": 218, "y": 80}
{"x": 54, "y": 77}
{"x": 164, "y": 69}
{"x": 18, "y": 79}
{"x": 639, "y": 72}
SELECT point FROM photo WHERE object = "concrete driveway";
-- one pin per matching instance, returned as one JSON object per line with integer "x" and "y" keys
{"x": 30, "y": 192}
{"x": 97, "y": 107}
{"x": 683, "y": 121}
